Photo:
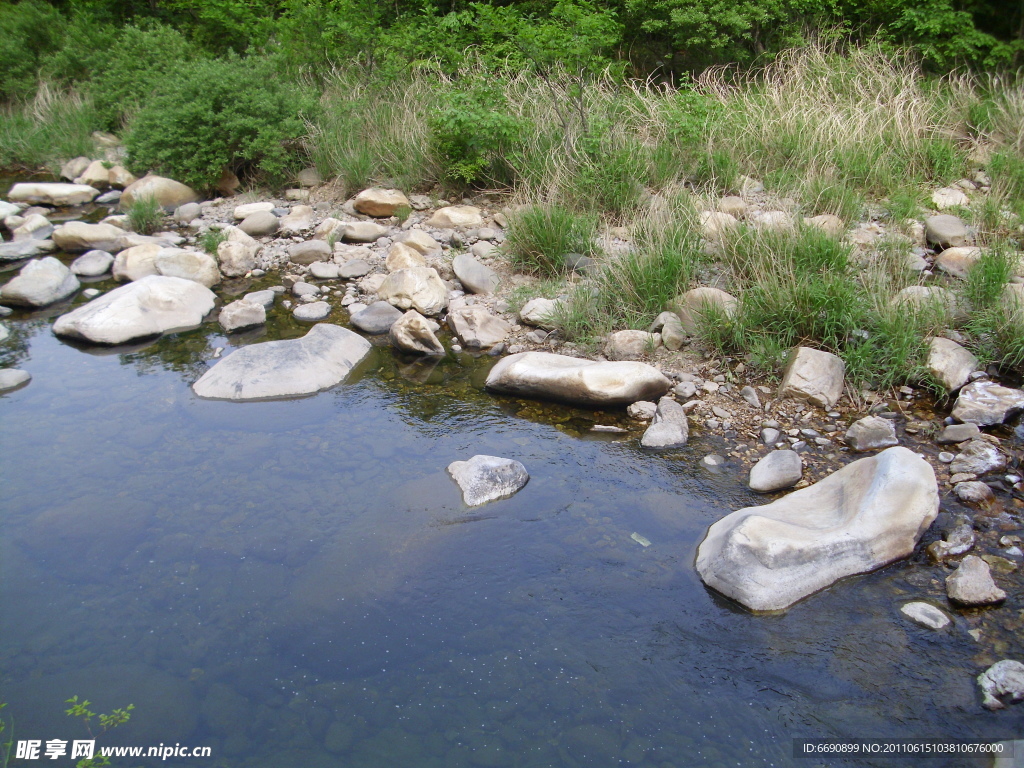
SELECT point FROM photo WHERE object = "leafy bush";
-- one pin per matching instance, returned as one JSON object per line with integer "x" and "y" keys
{"x": 209, "y": 115}
{"x": 29, "y": 31}
{"x": 540, "y": 237}
{"x": 136, "y": 63}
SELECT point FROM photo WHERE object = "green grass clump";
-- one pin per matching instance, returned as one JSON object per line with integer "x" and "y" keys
{"x": 145, "y": 215}
{"x": 541, "y": 236}
{"x": 211, "y": 239}
{"x": 52, "y": 128}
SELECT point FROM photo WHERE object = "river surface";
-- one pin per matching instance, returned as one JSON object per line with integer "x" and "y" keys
{"x": 298, "y": 583}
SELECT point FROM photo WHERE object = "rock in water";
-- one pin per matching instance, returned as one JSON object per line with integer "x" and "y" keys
{"x": 376, "y": 318}
{"x": 52, "y": 194}
{"x": 971, "y": 583}
{"x": 412, "y": 333}
{"x": 13, "y": 378}
{"x": 273, "y": 369}
{"x": 985, "y": 403}
{"x": 40, "y": 283}
{"x": 1003, "y": 679}
{"x": 669, "y": 428}
{"x": 869, "y": 513}
{"x": 486, "y": 478}
{"x": 79, "y": 236}
{"x": 776, "y": 471}
{"x": 242, "y": 314}
{"x": 147, "y": 307}
{"x": 568, "y": 379}
{"x": 871, "y": 433}
{"x": 925, "y": 614}
{"x": 418, "y": 288}
{"x": 92, "y": 264}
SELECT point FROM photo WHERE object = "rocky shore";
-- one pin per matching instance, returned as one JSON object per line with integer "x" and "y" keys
{"x": 875, "y": 476}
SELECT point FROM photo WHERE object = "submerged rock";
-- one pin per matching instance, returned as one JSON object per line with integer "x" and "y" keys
{"x": 586, "y": 382}
{"x": 36, "y": 193}
{"x": 669, "y": 429}
{"x": 866, "y": 515}
{"x": 274, "y": 369}
{"x": 925, "y": 614}
{"x": 487, "y": 478}
{"x": 147, "y": 307}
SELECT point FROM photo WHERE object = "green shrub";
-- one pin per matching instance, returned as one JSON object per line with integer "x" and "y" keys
{"x": 140, "y": 58}
{"x": 145, "y": 215}
{"x": 541, "y": 236}
{"x": 209, "y": 115}
{"x": 29, "y": 31}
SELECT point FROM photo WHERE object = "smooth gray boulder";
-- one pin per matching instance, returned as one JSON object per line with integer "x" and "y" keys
{"x": 39, "y": 283}
{"x": 539, "y": 312}
{"x": 487, "y": 478}
{"x": 93, "y": 264}
{"x": 13, "y": 378}
{"x": 260, "y": 224}
{"x": 266, "y": 298}
{"x": 945, "y": 231}
{"x": 569, "y": 379}
{"x": 1003, "y": 680}
{"x": 958, "y": 433}
{"x": 36, "y": 193}
{"x": 776, "y": 471}
{"x": 870, "y": 434}
{"x": 76, "y": 236}
{"x": 669, "y": 428}
{"x": 355, "y": 268}
{"x": 324, "y": 270}
{"x": 376, "y": 318}
{"x": 242, "y": 314}
{"x": 24, "y": 249}
{"x": 321, "y": 359}
{"x": 985, "y": 403}
{"x": 474, "y": 276}
{"x": 971, "y": 583}
{"x": 412, "y": 332}
{"x": 813, "y": 375}
{"x": 866, "y": 515}
{"x": 313, "y": 312}
{"x": 147, "y": 307}
{"x": 309, "y": 251}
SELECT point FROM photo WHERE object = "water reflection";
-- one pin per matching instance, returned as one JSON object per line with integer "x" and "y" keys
{"x": 298, "y": 582}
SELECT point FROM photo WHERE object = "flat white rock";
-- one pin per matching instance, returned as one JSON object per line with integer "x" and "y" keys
{"x": 321, "y": 359}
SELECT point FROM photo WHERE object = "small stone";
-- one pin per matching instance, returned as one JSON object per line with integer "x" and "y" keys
{"x": 356, "y": 268}
{"x": 312, "y": 313}
{"x": 978, "y": 458}
{"x": 713, "y": 461}
{"x": 971, "y": 584}
{"x": 777, "y": 470}
{"x": 974, "y": 492}
{"x": 770, "y": 436}
{"x": 242, "y": 314}
{"x": 925, "y": 614}
{"x": 813, "y": 375}
{"x": 750, "y": 395}
{"x": 958, "y": 433}
{"x": 871, "y": 433}
{"x": 266, "y": 298}
{"x": 642, "y": 410}
{"x": 946, "y": 457}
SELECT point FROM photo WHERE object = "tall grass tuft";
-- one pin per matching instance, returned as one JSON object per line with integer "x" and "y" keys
{"x": 53, "y": 127}
{"x": 145, "y": 215}
{"x": 540, "y": 238}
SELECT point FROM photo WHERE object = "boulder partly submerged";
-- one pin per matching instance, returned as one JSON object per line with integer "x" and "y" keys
{"x": 56, "y": 194}
{"x": 868, "y": 514}
{"x": 147, "y": 307}
{"x": 276, "y": 369}
{"x": 548, "y": 376}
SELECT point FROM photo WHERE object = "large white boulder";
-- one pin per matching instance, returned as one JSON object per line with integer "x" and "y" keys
{"x": 147, "y": 307}
{"x": 569, "y": 379}
{"x": 136, "y": 262}
{"x": 52, "y": 194}
{"x": 169, "y": 193}
{"x": 273, "y": 369}
{"x": 949, "y": 363}
{"x": 77, "y": 236}
{"x": 869, "y": 513}
{"x": 419, "y": 288}
{"x": 39, "y": 283}
{"x": 191, "y": 265}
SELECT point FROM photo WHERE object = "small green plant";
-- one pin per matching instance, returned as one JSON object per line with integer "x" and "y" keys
{"x": 145, "y": 215}
{"x": 540, "y": 237}
{"x": 80, "y": 710}
{"x": 402, "y": 213}
{"x": 987, "y": 278}
{"x": 211, "y": 239}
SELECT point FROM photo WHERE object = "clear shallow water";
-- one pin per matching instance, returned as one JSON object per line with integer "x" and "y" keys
{"x": 298, "y": 583}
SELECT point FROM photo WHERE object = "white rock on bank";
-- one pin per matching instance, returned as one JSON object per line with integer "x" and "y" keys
{"x": 586, "y": 382}
{"x": 456, "y": 217}
{"x": 870, "y": 434}
{"x": 147, "y": 307}
{"x": 488, "y": 478}
{"x": 869, "y": 513}
{"x": 418, "y": 288}
{"x": 949, "y": 363}
{"x": 477, "y": 328}
{"x": 39, "y": 283}
{"x": 539, "y": 313}
{"x": 321, "y": 359}
{"x": 168, "y": 193}
{"x": 695, "y": 305}
{"x": 52, "y": 194}
{"x": 669, "y": 428}
{"x": 986, "y": 403}
{"x": 813, "y": 375}
{"x": 380, "y": 203}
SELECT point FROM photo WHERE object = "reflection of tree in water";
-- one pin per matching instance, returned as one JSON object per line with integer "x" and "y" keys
{"x": 14, "y": 350}
{"x": 184, "y": 353}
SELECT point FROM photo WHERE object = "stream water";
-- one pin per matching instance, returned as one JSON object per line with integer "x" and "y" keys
{"x": 298, "y": 583}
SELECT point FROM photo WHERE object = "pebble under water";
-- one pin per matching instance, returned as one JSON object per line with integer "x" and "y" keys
{"x": 297, "y": 583}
